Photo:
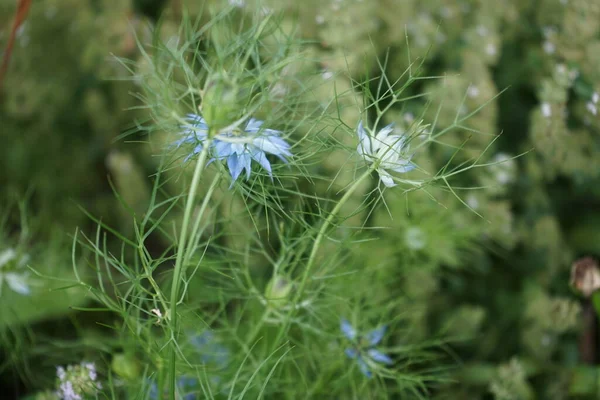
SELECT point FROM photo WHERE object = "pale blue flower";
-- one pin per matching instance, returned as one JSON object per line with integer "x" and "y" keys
{"x": 363, "y": 349}
{"x": 195, "y": 134}
{"x": 210, "y": 350}
{"x": 238, "y": 146}
{"x": 390, "y": 151}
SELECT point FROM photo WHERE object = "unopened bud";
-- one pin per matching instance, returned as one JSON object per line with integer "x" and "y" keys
{"x": 219, "y": 102}
{"x": 278, "y": 291}
{"x": 585, "y": 276}
{"x": 126, "y": 366}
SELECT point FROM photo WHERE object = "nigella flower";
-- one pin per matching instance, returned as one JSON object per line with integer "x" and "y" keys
{"x": 363, "y": 349}
{"x": 10, "y": 262}
{"x": 390, "y": 151}
{"x": 238, "y": 146}
{"x": 195, "y": 134}
{"x": 210, "y": 350}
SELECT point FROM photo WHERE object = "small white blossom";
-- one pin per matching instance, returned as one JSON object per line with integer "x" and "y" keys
{"x": 546, "y": 110}
{"x": 319, "y": 19}
{"x": 10, "y": 264}
{"x": 591, "y": 107}
{"x": 472, "y": 201}
{"x": 326, "y": 75}
{"x": 415, "y": 238}
{"x": 595, "y": 97}
{"x": 391, "y": 152}
{"x": 490, "y": 49}
{"x": 473, "y": 91}
{"x": 549, "y": 47}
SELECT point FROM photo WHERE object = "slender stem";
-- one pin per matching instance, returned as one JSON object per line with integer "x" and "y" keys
{"x": 325, "y": 227}
{"x": 317, "y": 244}
{"x": 179, "y": 264}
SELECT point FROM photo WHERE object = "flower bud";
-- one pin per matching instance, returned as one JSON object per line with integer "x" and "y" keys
{"x": 126, "y": 366}
{"x": 585, "y": 276}
{"x": 219, "y": 102}
{"x": 278, "y": 291}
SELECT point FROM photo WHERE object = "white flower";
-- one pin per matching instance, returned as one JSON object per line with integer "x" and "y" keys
{"x": 591, "y": 107}
{"x": 546, "y": 110}
{"x": 16, "y": 281}
{"x": 389, "y": 151}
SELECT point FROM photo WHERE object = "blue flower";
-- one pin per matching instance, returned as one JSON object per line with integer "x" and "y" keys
{"x": 195, "y": 134}
{"x": 364, "y": 350}
{"x": 210, "y": 350}
{"x": 238, "y": 147}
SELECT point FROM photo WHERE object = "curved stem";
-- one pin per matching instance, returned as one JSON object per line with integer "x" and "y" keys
{"x": 179, "y": 265}
{"x": 325, "y": 227}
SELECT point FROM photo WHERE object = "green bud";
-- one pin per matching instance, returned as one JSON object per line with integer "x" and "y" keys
{"x": 220, "y": 102}
{"x": 126, "y": 366}
{"x": 278, "y": 291}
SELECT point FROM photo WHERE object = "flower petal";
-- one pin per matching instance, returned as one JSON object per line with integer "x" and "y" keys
{"x": 347, "y": 329}
{"x": 364, "y": 368}
{"x": 386, "y": 178}
{"x": 380, "y": 357}
{"x": 222, "y": 149}
{"x": 6, "y": 256}
{"x": 405, "y": 168}
{"x": 18, "y": 283}
{"x": 246, "y": 161}
{"x": 351, "y": 353}
{"x": 364, "y": 141}
{"x": 383, "y": 133}
{"x": 261, "y": 158}
{"x": 273, "y": 145}
{"x": 235, "y": 166}
{"x": 376, "y": 335}
{"x": 253, "y": 125}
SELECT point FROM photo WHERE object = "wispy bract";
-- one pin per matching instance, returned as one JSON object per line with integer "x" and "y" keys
{"x": 237, "y": 146}
{"x": 391, "y": 152}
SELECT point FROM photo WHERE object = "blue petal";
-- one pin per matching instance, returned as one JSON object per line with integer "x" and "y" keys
{"x": 201, "y": 340}
{"x": 222, "y": 149}
{"x": 347, "y": 329}
{"x": 375, "y": 335}
{"x": 196, "y": 150}
{"x": 273, "y": 145}
{"x": 186, "y": 382}
{"x": 246, "y": 161}
{"x": 405, "y": 168}
{"x": 364, "y": 368}
{"x": 351, "y": 353}
{"x": 153, "y": 392}
{"x": 235, "y": 166}
{"x": 253, "y": 125}
{"x": 380, "y": 357}
{"x": 261, "y": 158}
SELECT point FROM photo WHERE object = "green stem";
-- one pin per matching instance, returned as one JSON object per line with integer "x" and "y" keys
{"x": 179, "y": 265}
{"x": 325, "y": 227}
{"x": 317, "y": 244}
